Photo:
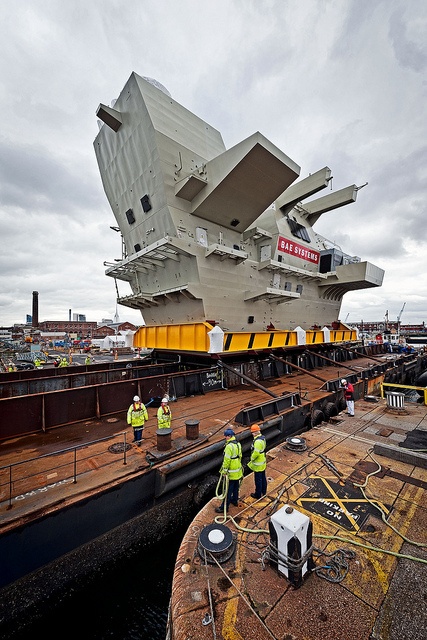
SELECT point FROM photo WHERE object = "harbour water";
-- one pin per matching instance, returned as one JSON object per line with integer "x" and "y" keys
{"x": 126, "y": 600}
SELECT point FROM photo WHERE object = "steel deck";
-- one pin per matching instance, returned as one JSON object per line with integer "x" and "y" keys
{"x": 383, "y": 595}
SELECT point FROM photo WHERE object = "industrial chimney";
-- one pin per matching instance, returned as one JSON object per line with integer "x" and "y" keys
{"x": 35, "y": 318}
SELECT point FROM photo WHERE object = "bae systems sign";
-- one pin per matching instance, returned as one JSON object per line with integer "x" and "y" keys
{"x": 297, "y": 250}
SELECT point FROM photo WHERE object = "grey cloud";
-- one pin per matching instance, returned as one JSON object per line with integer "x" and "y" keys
{"x": 409, "y": 53}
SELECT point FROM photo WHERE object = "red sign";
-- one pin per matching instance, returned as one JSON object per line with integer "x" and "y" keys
{"x": 298, "y": 250}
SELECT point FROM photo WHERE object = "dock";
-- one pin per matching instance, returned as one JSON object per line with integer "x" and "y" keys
{"x": 358, "y": 486}
{"x": 76, "y": 495}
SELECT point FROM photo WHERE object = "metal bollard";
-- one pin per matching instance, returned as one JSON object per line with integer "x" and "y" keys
{"x": 192, "y": 429}
{"x": 395, "y": 400}
{"x": 164, "y": 439}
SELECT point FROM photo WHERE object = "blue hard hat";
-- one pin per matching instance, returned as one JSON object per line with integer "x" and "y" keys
{"x": 229, "y": 432}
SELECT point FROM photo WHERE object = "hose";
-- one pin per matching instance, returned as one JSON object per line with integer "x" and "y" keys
{"x": 222, "y": 495}
{"x": 383, "y": 517}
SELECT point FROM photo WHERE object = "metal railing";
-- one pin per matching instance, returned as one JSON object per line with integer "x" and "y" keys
{"x": 406, "y": 387}
{"x": 9, "y": 478}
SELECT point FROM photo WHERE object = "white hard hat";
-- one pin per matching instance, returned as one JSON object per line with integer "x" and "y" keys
{"x": 164, "y": 400}
{"x": 343, "y": 381}
{"x": 136, "y": 399}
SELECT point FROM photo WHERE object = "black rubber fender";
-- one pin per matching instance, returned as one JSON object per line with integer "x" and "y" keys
{"x": 205, "y": 489}
{"x": 330, "y": 410}
{"x": 308, "y": 422}
{"x": 341, "y": 404}
{"x": 317, "y": 417}
{"x": 421, "y": 382}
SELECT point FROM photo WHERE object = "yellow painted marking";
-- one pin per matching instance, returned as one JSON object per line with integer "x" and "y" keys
{"x": 332, "y": 497}
{"x": 229, "y": 632}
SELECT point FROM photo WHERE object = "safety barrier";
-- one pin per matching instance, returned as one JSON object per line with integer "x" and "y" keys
{"x": 63, "y": 462}
{"x": 404, "y": 386}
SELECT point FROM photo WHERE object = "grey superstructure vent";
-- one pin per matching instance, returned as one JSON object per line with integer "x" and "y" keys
{"x": 146, "y": 204}
{"x": 130, "y": 216}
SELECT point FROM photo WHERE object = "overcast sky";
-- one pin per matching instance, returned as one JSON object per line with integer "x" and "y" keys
{"x": 337, "y": 83}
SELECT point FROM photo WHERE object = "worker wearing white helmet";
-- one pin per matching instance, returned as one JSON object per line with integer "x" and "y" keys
{"x": 348, "y": 396}
{"x": 136, "y": 417}
{"x": 164, "y": 415}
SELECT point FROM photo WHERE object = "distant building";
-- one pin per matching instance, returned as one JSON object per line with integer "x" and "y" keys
{"x": 113, "y": 329}
{"x": 82, "y": 329}
{"x": 5, "y": 334}
{"x": 383, "y": 326}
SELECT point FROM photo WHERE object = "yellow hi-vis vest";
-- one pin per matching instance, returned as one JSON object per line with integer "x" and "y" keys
{"x": 164, "y": 417}
{"x": 232, "y": 462}
{"x": 137, "y": 414}
{"x": 258, "y": 461}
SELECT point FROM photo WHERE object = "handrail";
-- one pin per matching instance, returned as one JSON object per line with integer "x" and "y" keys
{"x": 403, "y": 386}
{"x": 74, "y": 450}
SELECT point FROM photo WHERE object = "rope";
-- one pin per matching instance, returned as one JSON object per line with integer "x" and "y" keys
{"x": 334, "y": 571}
{"x": 337, "y": 567}
{"x": 383, "y": 516}
{"x": 206, "y": 620}
{"x": 293, "y": 564}
{"x": 222, "y": 495}
{"x": 370, "y": 547}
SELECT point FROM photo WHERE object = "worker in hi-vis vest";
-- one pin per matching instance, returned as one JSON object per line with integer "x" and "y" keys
{"x": 136, "y": 416}
{"x": 164, "y": 415}
{"x": 231, "y": 467}
{"x": 258, "y": 462}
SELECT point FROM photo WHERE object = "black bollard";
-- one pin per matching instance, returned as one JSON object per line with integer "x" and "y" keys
{"x": 164, "y": 439}
{"x": 192, "y": 429}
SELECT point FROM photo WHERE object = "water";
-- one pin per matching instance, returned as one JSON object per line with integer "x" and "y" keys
{"x": 128, "y": 600}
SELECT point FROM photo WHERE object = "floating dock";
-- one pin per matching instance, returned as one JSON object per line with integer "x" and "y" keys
{"x": 336, "y": 550}
{"x": 76, "y": 492}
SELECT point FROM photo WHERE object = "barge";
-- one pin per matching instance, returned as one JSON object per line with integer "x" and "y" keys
{"x": 336, "y": 549}
{"x": 76, "y": 493}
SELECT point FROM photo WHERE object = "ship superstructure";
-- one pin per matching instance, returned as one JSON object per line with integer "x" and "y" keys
{"x": 218, "y": 235}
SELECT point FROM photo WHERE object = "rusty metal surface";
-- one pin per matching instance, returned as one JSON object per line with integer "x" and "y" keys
{"x": 81, "y": 423}
{"x": 43, "y": 488}
{"x": 381, "y": 596}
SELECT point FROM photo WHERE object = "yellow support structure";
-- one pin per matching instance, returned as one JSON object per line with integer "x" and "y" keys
{"x": 194, "y": 337}
{"x": 174, "y": 337}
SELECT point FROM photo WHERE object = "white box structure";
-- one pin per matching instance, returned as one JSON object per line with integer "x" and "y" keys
{"x": 291, "y": 535}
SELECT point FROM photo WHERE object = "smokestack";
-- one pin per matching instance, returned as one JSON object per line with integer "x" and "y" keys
{"x": 35, "y": 318}
{"x": 69, "y": 315}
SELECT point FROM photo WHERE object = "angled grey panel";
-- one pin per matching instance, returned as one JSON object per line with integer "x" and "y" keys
{"x": 243, "y": 182}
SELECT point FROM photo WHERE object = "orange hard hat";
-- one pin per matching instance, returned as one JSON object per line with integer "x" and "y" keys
{"x": 255, "y": 427}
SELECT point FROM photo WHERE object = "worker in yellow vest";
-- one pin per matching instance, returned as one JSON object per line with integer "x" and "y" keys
{"x": 136, "y": 416}
{"x": 258, "y": 462}
{"x": 164, "y": 415}
{"x": 231, "y": 467}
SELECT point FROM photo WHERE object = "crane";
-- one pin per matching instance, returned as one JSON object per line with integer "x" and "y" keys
{"x": 400, "y": 314}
